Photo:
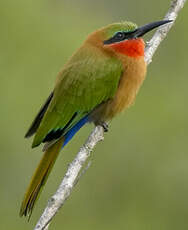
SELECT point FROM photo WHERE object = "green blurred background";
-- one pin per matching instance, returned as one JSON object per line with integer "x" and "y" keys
{"x": 139, "y": 176}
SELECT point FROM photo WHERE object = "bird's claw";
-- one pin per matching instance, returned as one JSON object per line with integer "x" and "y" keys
{"x": 105, "y": 126}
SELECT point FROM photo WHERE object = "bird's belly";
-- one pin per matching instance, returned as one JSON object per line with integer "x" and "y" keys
{"x": 128, "y": 87}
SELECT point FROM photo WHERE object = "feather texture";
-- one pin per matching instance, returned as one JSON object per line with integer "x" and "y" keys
{"x": 129, "y": 84}
{"x": 35, "y": 124}
{"x": 39, "y": 178}
{"x": 89, "y": 78}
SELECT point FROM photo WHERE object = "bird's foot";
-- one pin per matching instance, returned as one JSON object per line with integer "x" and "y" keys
{"x": 105, "y": 126}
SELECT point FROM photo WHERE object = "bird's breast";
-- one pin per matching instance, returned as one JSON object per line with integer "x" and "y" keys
{"x": 129, "y": 84}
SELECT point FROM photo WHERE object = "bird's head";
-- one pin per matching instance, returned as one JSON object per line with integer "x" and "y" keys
{"x": 125, "y": 37}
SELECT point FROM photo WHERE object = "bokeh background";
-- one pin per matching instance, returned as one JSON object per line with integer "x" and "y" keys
{"x": 139, "y": 176}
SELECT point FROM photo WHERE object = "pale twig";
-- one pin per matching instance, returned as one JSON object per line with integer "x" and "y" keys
{"x": 160, "y": 34}
{"x": 72, "y": 175}
{"x": 70, "y": 178}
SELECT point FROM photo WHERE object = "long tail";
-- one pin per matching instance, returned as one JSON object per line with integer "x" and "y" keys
{"x": 44, "y": 168}
{"x": 39, "y": 178}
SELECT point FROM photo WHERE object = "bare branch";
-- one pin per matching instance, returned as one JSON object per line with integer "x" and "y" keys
{"x": 160, "y": 34}
{"x": 72, "y": 175}
{"x": 70, "y": 178}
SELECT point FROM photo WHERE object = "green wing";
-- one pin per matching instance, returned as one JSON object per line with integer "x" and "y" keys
{"x": 89, "y": 78}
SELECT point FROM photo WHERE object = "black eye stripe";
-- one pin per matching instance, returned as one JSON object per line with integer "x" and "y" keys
{"x": 120, "y": 36}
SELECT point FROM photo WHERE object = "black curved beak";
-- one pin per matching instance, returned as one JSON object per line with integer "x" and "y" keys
{"x": 148, "y": 27}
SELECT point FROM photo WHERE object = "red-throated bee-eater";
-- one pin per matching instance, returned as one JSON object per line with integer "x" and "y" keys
{"x": 100, "y": 80}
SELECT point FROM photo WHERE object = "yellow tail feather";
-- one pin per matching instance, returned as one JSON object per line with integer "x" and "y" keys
{"x": 39, "y": 178}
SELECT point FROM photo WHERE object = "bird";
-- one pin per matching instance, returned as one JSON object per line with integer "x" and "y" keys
{"x": 100, "y": 80}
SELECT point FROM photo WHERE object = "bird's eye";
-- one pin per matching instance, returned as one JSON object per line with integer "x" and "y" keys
{"x": 119, "y": 35}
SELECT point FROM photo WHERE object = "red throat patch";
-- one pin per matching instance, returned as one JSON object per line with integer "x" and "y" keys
{"x": 132, "y": 48}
